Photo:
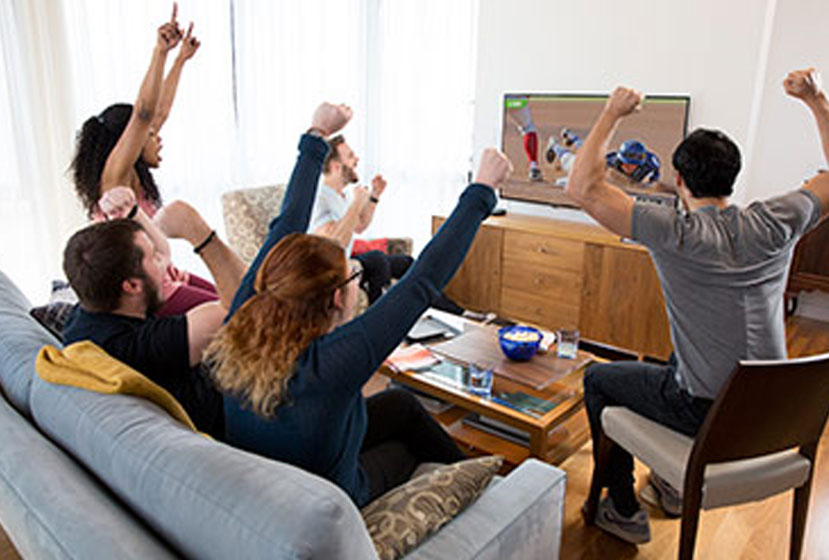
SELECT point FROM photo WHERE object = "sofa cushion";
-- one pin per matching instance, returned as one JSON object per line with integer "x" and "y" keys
{"x": 52, "y": 508}
{"x": 20, "y": 339}
{"x": 402, "y": 518}
{"x": 208, "y": 500}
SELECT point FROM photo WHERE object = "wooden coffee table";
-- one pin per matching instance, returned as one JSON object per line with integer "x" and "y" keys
{"x": 553, "y": 435}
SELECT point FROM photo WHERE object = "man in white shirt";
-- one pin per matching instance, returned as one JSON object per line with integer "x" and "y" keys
{"x": 339, "y": 214}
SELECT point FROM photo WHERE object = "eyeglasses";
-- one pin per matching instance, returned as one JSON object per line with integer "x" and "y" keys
{"x": 356, "y": 272}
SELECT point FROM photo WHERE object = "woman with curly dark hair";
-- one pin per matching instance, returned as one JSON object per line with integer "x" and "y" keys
{"x": 120, "y": 146}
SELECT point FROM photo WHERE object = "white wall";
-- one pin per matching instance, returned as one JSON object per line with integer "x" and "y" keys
{"x": 787, "y": 148}
{"x": 710, "y": 49}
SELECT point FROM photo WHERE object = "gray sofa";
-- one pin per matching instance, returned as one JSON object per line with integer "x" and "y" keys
{"x": 85, "y": 475}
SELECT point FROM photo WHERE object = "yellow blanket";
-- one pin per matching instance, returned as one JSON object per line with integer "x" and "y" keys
{"x": 87, "y": 366}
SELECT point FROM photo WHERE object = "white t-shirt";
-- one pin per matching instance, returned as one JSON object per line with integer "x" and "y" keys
{"x": 329, "y": 206}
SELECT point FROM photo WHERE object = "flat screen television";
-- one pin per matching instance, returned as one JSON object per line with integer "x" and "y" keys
{"x": 542, "y": 132}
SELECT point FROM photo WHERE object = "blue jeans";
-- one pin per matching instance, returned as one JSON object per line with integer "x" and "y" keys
{"x": 647, "y": 389}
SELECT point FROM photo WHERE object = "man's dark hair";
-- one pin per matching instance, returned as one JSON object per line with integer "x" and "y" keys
{"x": 333, "y": 153}
{"x": 708, "y": 162}
{"x": 97, "y": 260}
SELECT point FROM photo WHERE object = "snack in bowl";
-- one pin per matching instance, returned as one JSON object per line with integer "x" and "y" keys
{"x": 519, "y": 342}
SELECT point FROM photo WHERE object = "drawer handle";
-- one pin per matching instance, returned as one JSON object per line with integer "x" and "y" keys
{"x": 545, "y": 250}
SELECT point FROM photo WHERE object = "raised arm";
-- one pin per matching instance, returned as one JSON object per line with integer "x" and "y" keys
{"x": 189, "y": 46}
{"x": 378, "y": 187}
{"x": 120, "y": 202}
{"x": 179, "y": 220}
{"x": 302, "y": 189}
{"x": 128, "y": 148}
{"x": 343, "y": 230}
{"x": 806, "y": 86}
{"x": 361, "y": 345}
{"x": 587, "y": 185}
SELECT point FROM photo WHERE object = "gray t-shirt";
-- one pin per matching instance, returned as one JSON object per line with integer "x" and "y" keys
{"x": 723, "y": 273}
{"x": 329, "y": 206}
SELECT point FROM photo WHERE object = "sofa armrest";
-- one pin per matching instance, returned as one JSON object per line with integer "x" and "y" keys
{"x": 520, "y": 516}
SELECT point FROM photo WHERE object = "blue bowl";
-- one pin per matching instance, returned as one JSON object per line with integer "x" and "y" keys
{"x": 517, "y": 350}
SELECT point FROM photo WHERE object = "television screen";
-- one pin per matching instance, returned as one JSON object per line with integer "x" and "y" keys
{"x": 542, "y": 133}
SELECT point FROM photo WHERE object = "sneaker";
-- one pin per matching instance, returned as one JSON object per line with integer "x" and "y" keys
{"x": 659, "y": 493}
{"x": 634, "y": 529}
{"x": 535, "y": 174}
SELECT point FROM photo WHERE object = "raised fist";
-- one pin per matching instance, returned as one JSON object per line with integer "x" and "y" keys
{"x": 378, "y": 185}
{"x": 803, "y": 84}
{"x": 179, "y": 220}
{"x": 117, "y": 202}
{"x": 494, "y": 168}
{"x": 624, "y": 101}
{"x": 330, "y": 118}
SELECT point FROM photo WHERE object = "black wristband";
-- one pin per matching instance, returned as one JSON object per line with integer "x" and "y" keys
{"x": 132, "y": 212}
{"x": 373, "y": 199}
{"x": 198, "y": 248}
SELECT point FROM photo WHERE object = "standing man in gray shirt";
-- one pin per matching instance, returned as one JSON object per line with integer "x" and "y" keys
{"x": 723, "y": 272}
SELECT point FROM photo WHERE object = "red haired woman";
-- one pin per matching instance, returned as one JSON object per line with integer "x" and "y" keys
{"x": 292, "y": 359}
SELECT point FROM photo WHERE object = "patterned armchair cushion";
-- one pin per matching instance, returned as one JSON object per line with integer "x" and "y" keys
{"x": 247, "y": 213}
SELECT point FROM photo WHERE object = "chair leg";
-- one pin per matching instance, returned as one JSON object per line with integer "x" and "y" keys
{"x": 605, "y": 445}
{"x": 800, "y": 508}
{"x": 690, "y": 519}
{"x": 799, "y": 512}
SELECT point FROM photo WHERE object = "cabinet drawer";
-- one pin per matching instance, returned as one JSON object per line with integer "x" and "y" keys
{"x": 542, "y": 281}
{"x": 543, "y": 252}
{"x": 546, "y": 312}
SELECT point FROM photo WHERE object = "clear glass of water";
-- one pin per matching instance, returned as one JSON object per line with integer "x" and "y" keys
{"x": 568, "y": 343}
{"x": 480, "y": 381}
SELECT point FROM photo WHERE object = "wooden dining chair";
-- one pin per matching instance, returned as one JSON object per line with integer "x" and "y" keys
{"x": 760, "y": 438}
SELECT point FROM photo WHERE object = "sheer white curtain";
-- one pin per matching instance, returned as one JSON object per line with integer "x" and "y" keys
{"x": 421, "y": 80}
{"x": 37, "y": 210}
{"x": 289, "y": 57}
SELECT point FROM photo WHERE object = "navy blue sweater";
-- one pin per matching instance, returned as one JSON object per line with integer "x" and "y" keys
{"x": 321, "y": 427}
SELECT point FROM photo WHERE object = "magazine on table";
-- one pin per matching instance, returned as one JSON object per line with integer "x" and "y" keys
{"x": 414, "y": 357}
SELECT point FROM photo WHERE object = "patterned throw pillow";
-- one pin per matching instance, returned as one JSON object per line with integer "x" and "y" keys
{"x": 54, "y": 315}
{"x": 404, "y": 517}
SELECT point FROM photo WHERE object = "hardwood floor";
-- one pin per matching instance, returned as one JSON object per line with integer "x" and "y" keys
{"x": 7, "y": 551}
{"x": 753, "y": 531}
{"x": 758, "y": 530}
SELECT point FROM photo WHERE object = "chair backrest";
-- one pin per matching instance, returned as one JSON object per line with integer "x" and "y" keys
{"x": 766, "y": 407}
{"x": 247, "y": 214}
